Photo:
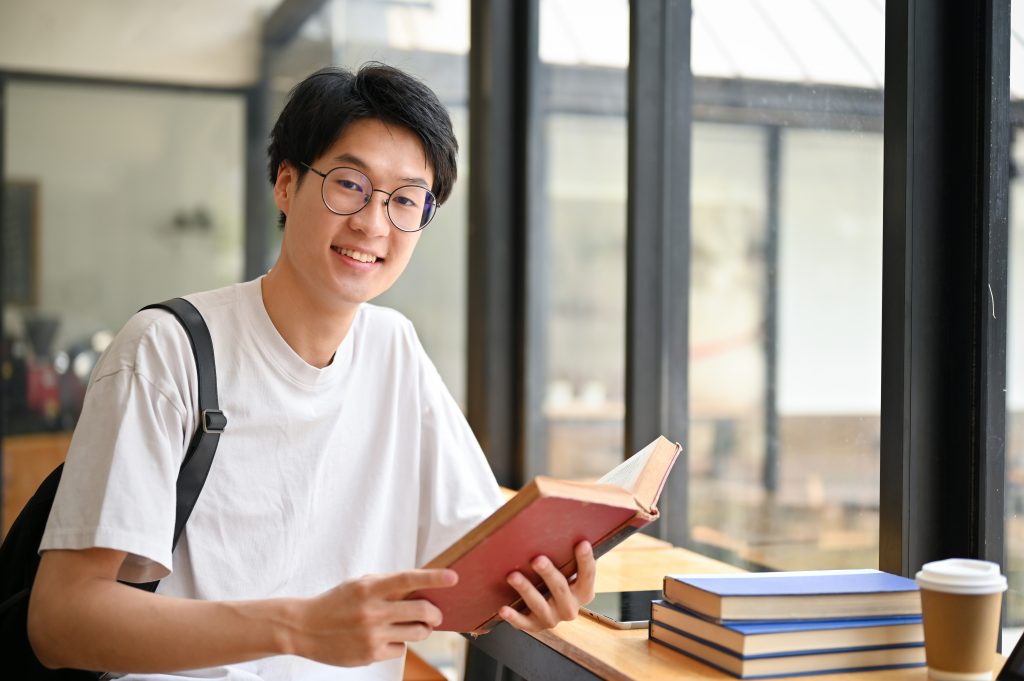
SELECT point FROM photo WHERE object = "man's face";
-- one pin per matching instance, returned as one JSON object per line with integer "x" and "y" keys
{"x": 343, "y": 260}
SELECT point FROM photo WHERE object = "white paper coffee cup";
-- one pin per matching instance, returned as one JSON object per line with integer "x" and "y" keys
{"x": 960, "y": 601}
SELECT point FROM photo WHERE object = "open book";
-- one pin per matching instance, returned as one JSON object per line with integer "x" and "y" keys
{"x": 547, "y": 517}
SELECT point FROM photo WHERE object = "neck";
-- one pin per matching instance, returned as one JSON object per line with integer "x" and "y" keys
{"x": 313, "y": 331}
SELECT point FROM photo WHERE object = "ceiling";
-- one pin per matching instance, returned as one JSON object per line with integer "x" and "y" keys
{"x": 176, "y": 41}
{"x": 215, "y": 42}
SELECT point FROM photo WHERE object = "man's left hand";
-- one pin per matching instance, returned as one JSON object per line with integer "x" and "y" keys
{"x": 564, "y": 600}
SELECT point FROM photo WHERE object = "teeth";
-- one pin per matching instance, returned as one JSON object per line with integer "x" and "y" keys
{"x": 357, "y": 255}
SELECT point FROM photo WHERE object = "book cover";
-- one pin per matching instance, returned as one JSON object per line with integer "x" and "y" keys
{"x": 766, "y": 637}
{"x": 820, "y": 594}
{"x": 788, "y": 664}
{"x": 547, "y": 517}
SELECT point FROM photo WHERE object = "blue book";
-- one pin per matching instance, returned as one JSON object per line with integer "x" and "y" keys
{"x": 788, "y": 664}
{"x": 773, "y": 637}
{"x": 817, "y": 594}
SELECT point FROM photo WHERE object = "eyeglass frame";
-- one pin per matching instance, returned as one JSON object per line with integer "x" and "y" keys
{"x": 387, "y": 210}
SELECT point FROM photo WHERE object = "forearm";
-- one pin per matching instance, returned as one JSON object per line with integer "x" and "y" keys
{"x": 81, "y": 617}
{"x": 105, "y": 625}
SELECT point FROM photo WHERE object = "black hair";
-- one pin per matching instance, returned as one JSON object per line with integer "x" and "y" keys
{"x": 322, "y": 106}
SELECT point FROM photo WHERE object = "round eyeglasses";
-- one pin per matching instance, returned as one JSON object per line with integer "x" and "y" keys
{"x": 346, "y": 191}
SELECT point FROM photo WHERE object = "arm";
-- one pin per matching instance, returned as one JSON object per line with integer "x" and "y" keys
{"x": 565, "y": 599}
{"x": 80, "y": 616}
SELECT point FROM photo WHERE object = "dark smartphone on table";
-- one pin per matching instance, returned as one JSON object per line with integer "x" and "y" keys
{"x": 622, "y": 609}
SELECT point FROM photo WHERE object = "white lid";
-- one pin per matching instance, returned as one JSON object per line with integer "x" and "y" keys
{"x": 962, "y": 576}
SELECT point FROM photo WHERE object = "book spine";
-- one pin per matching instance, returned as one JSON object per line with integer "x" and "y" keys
{"x": 612, "y": 540}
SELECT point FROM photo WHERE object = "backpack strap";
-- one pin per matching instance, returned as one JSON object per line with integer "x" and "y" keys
{"x": 202, "y": 447}
{"x": 19, "y": 558}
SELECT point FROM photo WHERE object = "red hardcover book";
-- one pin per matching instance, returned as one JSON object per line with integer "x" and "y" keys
{"x": 547, "y": 517}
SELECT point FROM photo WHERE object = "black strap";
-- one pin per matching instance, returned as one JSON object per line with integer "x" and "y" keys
{"x": 19, "y": 558}
{"x": 202, "y": 447}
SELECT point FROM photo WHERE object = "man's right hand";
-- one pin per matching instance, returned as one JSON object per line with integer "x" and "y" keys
{"x": 80, "y": 616}
{"x": 367, "y": 619}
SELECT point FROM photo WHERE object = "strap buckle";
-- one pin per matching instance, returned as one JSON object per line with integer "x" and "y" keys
{"x": 214, "y": 421}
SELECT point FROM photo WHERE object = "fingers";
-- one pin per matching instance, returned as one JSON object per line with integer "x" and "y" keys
{"x": 544, "y": 612}
{"x": 408, "y": 633}
{"x": 519, "y": 620}
{"x": 401, "y": 584}
{"x": 389, "y": 642}
{"x": 541, "y": 614}
{"x": 367, "y": 619}
{"x": 564, "y": 600}
{"x": 415, "y": 611}
{"x": 586, "y": 573}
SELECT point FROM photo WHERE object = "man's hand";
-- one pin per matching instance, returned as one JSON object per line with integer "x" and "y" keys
{"x": 366, "y": 620}
{"x": 565, "y": 599}
{"x": 80, "y": 616}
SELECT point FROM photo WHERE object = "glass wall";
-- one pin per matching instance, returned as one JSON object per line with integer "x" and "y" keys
{"x": 1015, "y": 387}
{"x": 785, "y": 300}
{"x": 586, "y": 273}
{"x": 115, "y": 197}
{"x": 785, "y": 296}
{"x": 583, "y": 50}
{"x": 1014, "y": 529}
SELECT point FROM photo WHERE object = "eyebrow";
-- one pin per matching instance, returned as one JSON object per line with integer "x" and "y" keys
{"x": 361, "y": 165}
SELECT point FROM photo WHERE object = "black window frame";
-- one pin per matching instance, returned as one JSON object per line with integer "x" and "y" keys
{"x": 943, "y": 407}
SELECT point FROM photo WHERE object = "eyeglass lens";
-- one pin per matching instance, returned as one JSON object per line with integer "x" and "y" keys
{"x": 347, "y": 190}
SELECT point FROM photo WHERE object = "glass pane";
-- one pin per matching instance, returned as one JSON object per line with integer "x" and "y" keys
{"x": 1015, "y": 397}
{"x": 432, "y": 291}
{"x": 429, "y": 40}
{"x": 584, "y": 47}
{"x": 1014, "y": 533}
{"x": 728, "y": 217}
{"x": 586, "y": 221}
{"x": 115, "y": 197}
{"x": 785, "y": 304}
{"x": 135, "y": 198}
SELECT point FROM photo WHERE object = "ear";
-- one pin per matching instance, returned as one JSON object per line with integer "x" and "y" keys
{"x": 285, "y": 186}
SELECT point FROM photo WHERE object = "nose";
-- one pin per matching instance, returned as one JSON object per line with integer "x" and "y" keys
{"x": 373, "y": 219}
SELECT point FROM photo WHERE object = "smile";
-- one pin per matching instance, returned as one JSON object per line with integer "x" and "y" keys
{"x": 355, "y": 255}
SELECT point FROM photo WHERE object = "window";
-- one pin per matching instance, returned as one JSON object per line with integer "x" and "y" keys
{"x": 785, "y": 288}
{"x": 583, "y": 49}
{"x": 117, "y": 197}
{"x": 785, "y": 300}
{"x": 1014, "y": 531}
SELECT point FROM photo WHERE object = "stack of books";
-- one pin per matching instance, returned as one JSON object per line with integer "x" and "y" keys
{"x": 789, "y": 623}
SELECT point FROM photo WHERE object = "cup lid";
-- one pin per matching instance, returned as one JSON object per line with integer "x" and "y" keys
{"x": 962, "y": 576}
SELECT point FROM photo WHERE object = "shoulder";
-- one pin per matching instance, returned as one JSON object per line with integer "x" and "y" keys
{"x": 146, "y": 338}
{"x": 391, "y": 338}
{"x": 382, "y": 323}
{"x": 153, "y": 344}
{"x": 228, "y": 300}
{"x": 379, "y": 315}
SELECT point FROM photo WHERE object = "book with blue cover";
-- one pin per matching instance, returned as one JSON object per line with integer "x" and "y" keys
{"x": 815, "y": 594}
{"x": 787, "y": 636}
{"x": 788, "y": 664}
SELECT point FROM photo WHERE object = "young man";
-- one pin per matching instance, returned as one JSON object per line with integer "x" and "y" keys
{"x": 345, "y": 463}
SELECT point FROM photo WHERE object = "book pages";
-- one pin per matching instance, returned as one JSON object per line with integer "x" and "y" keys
{"x": 627, "y": 473}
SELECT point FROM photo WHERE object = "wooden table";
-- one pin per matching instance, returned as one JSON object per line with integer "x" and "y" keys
{"x": 586, "y": 650}
{"x": 28, "y": 459}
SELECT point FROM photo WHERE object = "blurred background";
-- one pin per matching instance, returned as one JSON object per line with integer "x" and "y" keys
{"x": 133, "y": 142}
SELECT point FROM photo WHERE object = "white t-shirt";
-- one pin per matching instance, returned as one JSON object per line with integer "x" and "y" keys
{"x": 366, "y": 466}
